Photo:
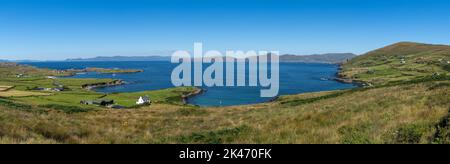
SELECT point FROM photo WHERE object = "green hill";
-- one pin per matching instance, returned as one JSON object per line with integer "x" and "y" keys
{"x": 399, "y": 62}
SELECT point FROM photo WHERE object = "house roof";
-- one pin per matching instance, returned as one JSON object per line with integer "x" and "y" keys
{"x": 145, "y": 98}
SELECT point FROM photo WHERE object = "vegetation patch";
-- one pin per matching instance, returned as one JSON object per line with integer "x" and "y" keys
{"x": 420, "y": 80}
{"x": 191, "y": 112}
{"x": 410, "y": 134}
{"x": 14, "y": 105}
{"x": 447, "y": 67}
{"x": 215, "y": 137}
{"x": 311, "y": 100}
{"x": 66, "y": 109}
{"x": 439, "y": 86}
{"x": 59, "y": 132}
{"x": 442, "y": 135}
{"x": 355, "y": 134}
{"x": 16, "y": 93}
{"x": 438, "y": 99}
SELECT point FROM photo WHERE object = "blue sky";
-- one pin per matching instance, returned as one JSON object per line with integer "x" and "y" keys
{"x": 59, "y": 29}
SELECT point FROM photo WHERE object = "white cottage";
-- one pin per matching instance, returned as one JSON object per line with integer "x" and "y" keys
{"x": 143, "y": 100}
{"x": 402, "y": 61}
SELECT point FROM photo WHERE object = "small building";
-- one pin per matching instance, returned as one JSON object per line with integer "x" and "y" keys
{"x": 143, "y": 100}
{"x": 87, "y": 102}
{"x": 402, "y": 61}
{"x": 103, "y": 102}
{"x": 48, "y": 89}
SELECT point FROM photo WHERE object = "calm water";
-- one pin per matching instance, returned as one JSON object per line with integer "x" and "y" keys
{"x": 294, "y": 78}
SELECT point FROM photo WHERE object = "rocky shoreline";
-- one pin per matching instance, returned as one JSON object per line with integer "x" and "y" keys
{"x": 103, "y": 84}
{"x": 197, "y": 92}
{"x": 343, "y": 79}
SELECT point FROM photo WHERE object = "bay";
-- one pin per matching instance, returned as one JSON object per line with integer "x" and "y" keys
{"x": 295, "y": 78}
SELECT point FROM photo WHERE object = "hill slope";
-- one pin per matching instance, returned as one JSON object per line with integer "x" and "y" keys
{"x": 399, "y": 62}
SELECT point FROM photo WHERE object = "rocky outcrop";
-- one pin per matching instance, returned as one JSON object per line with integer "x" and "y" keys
{"x": 196, "y": 92}
{"x": 102, "y": 84}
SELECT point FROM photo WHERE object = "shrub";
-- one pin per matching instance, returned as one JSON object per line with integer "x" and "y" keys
{"x": 355, "y": 135}
{"x": 410, "y": 134}
{"x": 442, "y": 135}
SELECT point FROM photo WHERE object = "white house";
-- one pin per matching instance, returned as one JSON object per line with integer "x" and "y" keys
{"x": 403, "y": 61}
{"x": 143, "y": 100}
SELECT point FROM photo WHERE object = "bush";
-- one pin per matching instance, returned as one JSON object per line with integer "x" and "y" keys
{"x": 446, "y": 67}
{"x": 355, "y": 135}
{"x": 442, "y": 135}
{"x": 410, "y": 134}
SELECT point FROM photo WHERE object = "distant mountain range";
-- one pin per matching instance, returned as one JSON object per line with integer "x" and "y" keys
{"x": 124, "y": 58}
{"x": 319, "y": 58}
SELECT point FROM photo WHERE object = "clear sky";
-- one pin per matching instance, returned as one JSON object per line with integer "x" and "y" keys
{"x": 59, "y": 29}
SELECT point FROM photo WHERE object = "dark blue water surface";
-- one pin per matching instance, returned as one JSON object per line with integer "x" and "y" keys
{"x": 294, "y": 78}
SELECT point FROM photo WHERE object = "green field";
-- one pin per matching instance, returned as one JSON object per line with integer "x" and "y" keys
{"x": 406, "y": 103}
{"x": 25, "y": 92}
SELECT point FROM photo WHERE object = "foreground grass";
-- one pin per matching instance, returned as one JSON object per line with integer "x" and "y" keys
{"x": 410, "y": 113}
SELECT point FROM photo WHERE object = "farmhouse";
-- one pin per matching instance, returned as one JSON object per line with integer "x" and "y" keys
{"x": 143, "y": 100}
{"x": 403, "y": 61}
{"x": 59, "y": 89}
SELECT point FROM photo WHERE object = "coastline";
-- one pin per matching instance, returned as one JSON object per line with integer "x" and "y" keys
{"x": 103, "y": 85}
{"x": 197, "y": 92}
{"x": 342, "y": 79}
{"x": 186, "y": 98}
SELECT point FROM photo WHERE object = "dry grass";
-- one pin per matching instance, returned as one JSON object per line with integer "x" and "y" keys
{"x": 5, "y": 88}
{"x": 399, "y": 114}
{"x": 16, "y": 93}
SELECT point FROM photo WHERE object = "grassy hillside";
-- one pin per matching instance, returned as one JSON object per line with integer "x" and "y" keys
{"x": 399, "y": 62}
{"x": 397, "y": 109}
{"x": 410, "y": 113}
